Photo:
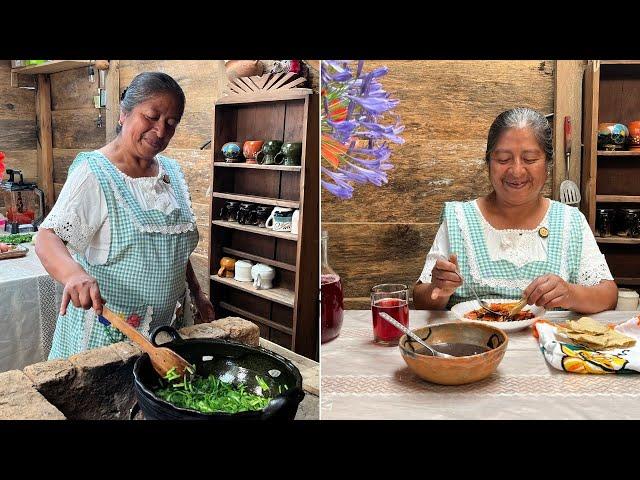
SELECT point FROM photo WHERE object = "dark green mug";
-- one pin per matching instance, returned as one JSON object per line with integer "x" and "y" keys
{"x": 266, "y": 156}
{"x": 291, "y": 154}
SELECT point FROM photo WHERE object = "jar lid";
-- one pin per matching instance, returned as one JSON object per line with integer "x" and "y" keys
{"x": 627, "y": 293}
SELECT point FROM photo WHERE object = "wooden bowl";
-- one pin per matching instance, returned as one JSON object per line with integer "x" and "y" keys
{"x": 459, "y": 370}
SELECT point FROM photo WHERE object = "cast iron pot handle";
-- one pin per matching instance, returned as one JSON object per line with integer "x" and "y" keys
{"x": 295, "y": 395}
{"x": 173, "y": 333}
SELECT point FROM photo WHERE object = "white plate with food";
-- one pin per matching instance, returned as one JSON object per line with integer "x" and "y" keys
{"x": 472, "y": 312}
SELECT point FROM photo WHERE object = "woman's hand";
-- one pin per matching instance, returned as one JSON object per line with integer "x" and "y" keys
{"x": 204, "y": 307}
{"x": 82, "y": 290}
{"x": 550, "y": 291}
{"x": 444, "y": 277}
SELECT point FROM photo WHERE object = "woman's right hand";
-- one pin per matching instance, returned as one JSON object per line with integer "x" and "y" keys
{"x": 444, "y": 278}
{"x": 82, "y": 290}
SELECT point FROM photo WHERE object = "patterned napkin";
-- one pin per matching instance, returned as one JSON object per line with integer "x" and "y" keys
{"x": 561, "y": 353}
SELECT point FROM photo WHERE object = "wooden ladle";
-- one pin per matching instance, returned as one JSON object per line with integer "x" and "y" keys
{"x": 163, "y": 359}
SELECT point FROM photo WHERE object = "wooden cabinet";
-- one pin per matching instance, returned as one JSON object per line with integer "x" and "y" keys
{"x": 287, "y": 314}
{"x": 611, "y": 179}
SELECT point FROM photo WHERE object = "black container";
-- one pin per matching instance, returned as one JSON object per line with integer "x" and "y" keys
{"x": 605, "y": 219}
{"x": 630, "y": 222}
{"x": 229, "y": 211}
{"x": 232, "y": 362}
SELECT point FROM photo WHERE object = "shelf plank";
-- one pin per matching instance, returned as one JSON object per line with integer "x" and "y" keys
{"x": 266, "y": 96}
{"x": 282, "y": 296}
{"x": 619, "y": 62}
{"x": 619, "y": 153}
{"x": 627, "y": 280}
{"x": 618, "y": 198}
{"x": 259, "y": 259}
{"x": 52, "y": 66}
{"x": 625, "y": 240}
{"x": 285, "y": 168}
{"x": 259, "y": 230}
{"x": 256, "y": 318}
{"x": 254, "y": 199}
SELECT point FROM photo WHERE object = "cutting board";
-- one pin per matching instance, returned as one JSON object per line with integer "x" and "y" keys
{"x": 18, "y": 252}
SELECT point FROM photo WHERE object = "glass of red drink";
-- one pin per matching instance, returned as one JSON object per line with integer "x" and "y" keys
{"x": 393, "y": 299}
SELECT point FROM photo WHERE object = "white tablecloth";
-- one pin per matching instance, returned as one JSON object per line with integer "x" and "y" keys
{"x": 362, "y": 380}
{"x": 29, "y": 304}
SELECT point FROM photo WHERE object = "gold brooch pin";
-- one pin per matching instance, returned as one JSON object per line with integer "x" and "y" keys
{"x": 165, "y": 178}
{"x": 543, "y": 232}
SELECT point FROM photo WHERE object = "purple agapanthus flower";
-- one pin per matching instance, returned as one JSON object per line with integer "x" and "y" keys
{"x": 355, "y": 144}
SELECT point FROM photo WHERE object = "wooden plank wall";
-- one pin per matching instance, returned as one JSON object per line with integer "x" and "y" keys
{"x": 18, "y": 138}
{"x": 383, "y": 234}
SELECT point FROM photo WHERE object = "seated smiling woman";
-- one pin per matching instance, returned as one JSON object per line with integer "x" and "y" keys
{"x": 514, "y": 242}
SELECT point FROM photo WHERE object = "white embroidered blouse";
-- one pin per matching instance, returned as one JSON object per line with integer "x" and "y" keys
{"x": 522, "y": 246}
{"x": 80, "y": 216}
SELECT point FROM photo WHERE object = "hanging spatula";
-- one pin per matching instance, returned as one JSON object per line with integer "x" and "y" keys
{"x": 569, "y": 191}
{"x": 163, "y": 359}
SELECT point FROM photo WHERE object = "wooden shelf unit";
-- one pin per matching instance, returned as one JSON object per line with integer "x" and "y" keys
{"x": 610, "y": 178}
{"x": 288, "y": 314}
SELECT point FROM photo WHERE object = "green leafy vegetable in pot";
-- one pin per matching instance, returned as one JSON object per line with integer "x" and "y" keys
{"x": 211, "y": 395}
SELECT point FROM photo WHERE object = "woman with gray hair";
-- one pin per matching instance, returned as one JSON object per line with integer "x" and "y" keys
{"x": 514, "y": 242}
{"x": 125, "y": 214}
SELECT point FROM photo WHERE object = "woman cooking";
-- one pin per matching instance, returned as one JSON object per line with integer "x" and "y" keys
{"x": 125, "y": 213}
{"x": 514, "y": 242}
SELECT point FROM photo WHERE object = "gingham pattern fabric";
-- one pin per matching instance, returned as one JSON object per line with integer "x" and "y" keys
{"x": 145, "y": 272}
{"x": 495, "y": 279}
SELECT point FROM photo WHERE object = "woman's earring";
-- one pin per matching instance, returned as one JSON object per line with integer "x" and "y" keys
{"x": 119, "y": 123}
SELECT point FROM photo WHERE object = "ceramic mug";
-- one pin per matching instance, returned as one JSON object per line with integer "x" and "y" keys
{"x": 262, "y": 214}
{"x": 227, "y": 267}
{"x": 291, "y": 154}
{"x": 280, "y": 219}
{"x": 263, "y": 276}
{"x": 295, "y": 219}
{"x": 243, "y": 271}
{"x": 250, "y": 149}
{"x": 231, "y": 151}
{"x": 246, "y": 213}
{"x": 229, "y": 211}
{"x": 268, "y": 152}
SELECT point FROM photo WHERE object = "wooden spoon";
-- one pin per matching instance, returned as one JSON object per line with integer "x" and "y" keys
{"x": 163, "y": 359}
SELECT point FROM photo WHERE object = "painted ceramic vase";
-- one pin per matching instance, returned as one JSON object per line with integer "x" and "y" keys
{"x": 612, "y": 136}
{"x": 231, "y": 152}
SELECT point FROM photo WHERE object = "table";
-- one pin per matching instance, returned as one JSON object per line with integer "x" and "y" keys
{"x": 362, "y": 380}
{"x": 29, "y": 304}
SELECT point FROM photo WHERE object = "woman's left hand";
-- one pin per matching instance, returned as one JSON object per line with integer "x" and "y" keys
{"x": 549, "y": 291}
{"x": 204, "y": 307}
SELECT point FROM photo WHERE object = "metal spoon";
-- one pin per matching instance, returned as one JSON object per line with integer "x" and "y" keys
{"x": 409, "y": 333}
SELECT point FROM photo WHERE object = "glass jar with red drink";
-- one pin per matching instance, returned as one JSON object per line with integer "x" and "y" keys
{"x": 393, "y": 299}
{"x": 331, "y": 306}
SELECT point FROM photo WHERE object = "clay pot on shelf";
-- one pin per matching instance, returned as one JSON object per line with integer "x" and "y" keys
{"x": 634, "y": 135}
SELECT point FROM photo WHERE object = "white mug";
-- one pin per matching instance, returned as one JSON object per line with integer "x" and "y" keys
{"x": 278, "y": 226}
{"x": 294, "y": 221}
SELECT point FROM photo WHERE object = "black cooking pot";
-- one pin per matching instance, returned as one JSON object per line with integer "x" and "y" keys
{"x": 229, "y": 361}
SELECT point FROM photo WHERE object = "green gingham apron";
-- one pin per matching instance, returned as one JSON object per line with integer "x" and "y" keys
{"x": 145, "y": 273}
{"x": 495, "y": 279}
